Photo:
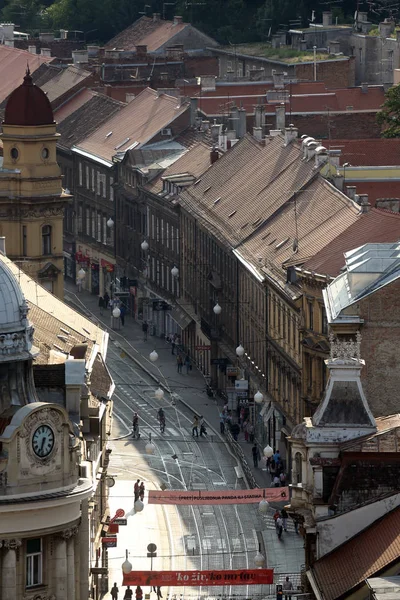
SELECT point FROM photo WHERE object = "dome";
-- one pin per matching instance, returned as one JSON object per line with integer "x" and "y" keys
{"x": 16, "y": 333}
{"x": 28, "y": 105}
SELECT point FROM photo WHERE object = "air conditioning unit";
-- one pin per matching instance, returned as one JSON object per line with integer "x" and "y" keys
{"x": 166, "y": 131}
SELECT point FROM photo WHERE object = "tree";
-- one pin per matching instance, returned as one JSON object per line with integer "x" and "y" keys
{"x": 389, "y": 116}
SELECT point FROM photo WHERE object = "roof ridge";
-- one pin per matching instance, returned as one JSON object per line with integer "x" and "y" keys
{"x": 388, "y": 213}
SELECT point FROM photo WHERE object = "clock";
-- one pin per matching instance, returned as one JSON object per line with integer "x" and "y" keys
{"x": 43, "y": 441}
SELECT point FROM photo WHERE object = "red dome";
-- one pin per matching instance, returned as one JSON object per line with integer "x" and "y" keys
{"x": 28, "y": 105}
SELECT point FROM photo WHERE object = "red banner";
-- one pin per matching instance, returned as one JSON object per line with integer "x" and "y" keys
{"x": 280, "y": 494}
{"x": 199, "y": 578}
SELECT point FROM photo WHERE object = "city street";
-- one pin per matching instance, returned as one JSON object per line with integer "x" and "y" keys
{"x": 187, "y": 537}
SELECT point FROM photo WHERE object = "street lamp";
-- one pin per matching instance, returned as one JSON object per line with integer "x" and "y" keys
{"x": 110, "y": 223}
{"x": 159, "y": 394}
{"x": 153, "y": 356}
{"x": 217, "y": 309}
{"x": 263, "y": 507}
{"x": 138, "y": 506}
{"x": 144, "y": 246}
{"x": 240, "y": 350}
{"x": 174, "y": 271}
{"x": 150, "y": 447}
{"x": 268, "y": 452}
{"x": 116, "y": 313}
{"x": 345, "y": 165}
{"x": 259, "y": 558}
{"x": 258, "y": 397}
{"x": 126, "y": 565}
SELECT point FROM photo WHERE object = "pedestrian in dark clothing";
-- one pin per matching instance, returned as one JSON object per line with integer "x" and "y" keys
{"x": 179, "y": 363}
{"x": 145, "y": 329}
{"x": 222, "y": 423}
{"x": 114, "y": 592}
{"x": 195, "y": 426}
{"x": 101, "y": 304}
{"x": 187, "y": 364}
{"x": 106, "y": 299}
{"x": 235, "y": 430}
{"x": 279, "y": 527}
{"x": 157, "y": 590}
{"x": 136, "y": 489}
{"x": 122, "y": 314}
{"x": 287, "y": 587}
{"x": 256, "y": 455}
{"x": 139, "y": 593}
{"x": 296, "y": 526}
{"x": 128, "y": 593}
{"x": 284, "y": 516}
{"x": 141, "y": 491}
{"x": 203, "y": 429}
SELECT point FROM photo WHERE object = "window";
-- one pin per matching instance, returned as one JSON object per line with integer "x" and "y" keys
{"x": 80, "y": 174}
{"x": 111, "y": 189}
{"x": 98, "y": 180}
{"x": 93, "y": 230}
{"x": 46, "y": 240}
{"x": 298, "y": 468}
{"x": 310, "y": 316}
{"x": 99, "y": 227}
{"x": 87, "y": 221}
{"x": 24, "y": 241}
{"x": 104, "y": 230}
{"x": 93, "y": 180}
{"x": 87, "y": 177}
{"x": 324, "y": 321}
{"x": 33, "y": 562}
{"x": 79, "y": 218}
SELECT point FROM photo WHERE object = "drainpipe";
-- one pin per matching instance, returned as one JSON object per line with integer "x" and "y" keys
{"x": 315, "y": 62}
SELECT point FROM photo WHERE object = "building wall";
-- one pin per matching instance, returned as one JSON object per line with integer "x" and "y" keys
{"x": 334, "y": 73}
{"x": 351, "y": 125}
{"x": 376, "y": 57}
{"x": 191, "y": 38}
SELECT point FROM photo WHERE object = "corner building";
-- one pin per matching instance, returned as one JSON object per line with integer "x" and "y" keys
{"x": 44, "y": 536}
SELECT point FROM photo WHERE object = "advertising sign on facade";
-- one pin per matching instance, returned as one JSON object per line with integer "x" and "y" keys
{"x": 199, "y": 578}
{"x": 198, "y": 497}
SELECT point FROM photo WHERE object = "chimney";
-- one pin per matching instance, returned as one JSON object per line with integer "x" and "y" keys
{"x": 45, "y": 52}
{"x": 392, "y": 204}
{"x": 334, "y": 157}
{"x": 93, "y": 51}
{"x": 259, "y": 116}
{"x": 279, "y": 80}
{"x": 291, "y": 134}
{"x": 351, "y": 191}
{"x": 223, "y": 141}
{"x": 321, "y": 156}
{"x": 46, "y": 37}
{"x": 365, "y": 205}
{"x": 3, "y": 245}
{"x": 32, "y": 49}
{"x": 193, "y": 111}
{"x": 215, "y": 131}
{"x": 364, "y": 88}
{"x": 129, "y": 97}
{"x": 234, "y": 118}
{"x": 258, "y": 133}
{"x": 205, "y": 125}
{"x": 214, "y": 155}
{"x": 334, "y": 47}
{"x": 9, "y": 43}
{"x": 310, "y": 148}
{"x": 326, "y": 18}
{"x": 178, "y": 20}
{"x": 156, "y": 17}
{"x": 242, "y": 125}
{"x": 280, "y": 111}
{"x": 386, "y": 28}
{"x": 303, "y": 45}
{"x": 207, "y": 83}
{"x": 80, "y": 56}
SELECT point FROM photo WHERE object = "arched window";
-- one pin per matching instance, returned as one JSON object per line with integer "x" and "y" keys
{"x": 46, "y": 240}
{"x": 298, "y": 461}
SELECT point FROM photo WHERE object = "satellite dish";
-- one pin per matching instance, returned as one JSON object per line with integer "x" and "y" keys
{"x": 295, "y": 245}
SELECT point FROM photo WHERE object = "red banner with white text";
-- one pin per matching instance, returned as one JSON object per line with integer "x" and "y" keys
{"x": 197, "y": 497}
{"x": 199, "y": 578}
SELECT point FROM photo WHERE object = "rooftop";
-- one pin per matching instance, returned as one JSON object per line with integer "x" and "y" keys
{"x": 133, "y": 126}
{"x": 376, "y": 226}
{"x": 285, "y": 55}
{"x": 368, "y": 268}
{"x": 65, "y": 81}
{"x": 368, "y": 152}
{"x": 13, "y": 65}
{"x": 366, "y": 554}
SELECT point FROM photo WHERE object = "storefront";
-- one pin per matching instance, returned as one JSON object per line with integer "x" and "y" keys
{"x": 69, "y": 260}
{"x": 106, "y": 283}
{"x": 95, "y": 279}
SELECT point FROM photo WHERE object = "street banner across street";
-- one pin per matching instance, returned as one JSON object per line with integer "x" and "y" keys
{"x": 195, "y": 497}
{"x": 199, "y": 578}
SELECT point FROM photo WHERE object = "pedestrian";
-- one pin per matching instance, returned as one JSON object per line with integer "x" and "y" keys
{"x": 101, "y": 304}
{"x": 277, "y": 457}
{"x": 203, "y": 429}
{"x": 235, "y": 430}
{"x": 106, "y": 299}
{"x": 136, "y": 489}
{"x": 246, "y": 433}
{"x": 187, "y": 364}
{"x": 225, "y": 409}
{"x": 145, "y": 328}
{"x": 122, "y": 314}
{"x": 279, "y": 527}
{"x": 276, "y": 481}
{"x": 250, "y": 431}
{"x": 272, "y": 469}
{"x": 139, "y": 593}
{"x": 195, "y": 426}
{"x": 222, "y": 423}
{"x": 157, "y": 590}
{"x": 135, "y": 425}
{"x": 128, "y": 593}
{"x": 179, "y": 363}
{"x": 282, "y": 478}
{"x": 284, "y": 516}
{"x": 287, "y": 587}
{"x": 276, "y": 516}
{"x": 173, "y": 344}
{"x": 114, "y": 592}
{"x": 141, "y": 491}
{"x": 256, "y": 455}
{"x": 296, "y": 526}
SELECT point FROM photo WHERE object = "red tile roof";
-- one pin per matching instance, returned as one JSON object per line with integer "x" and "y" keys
{"x": 65, "y": 81}
{"x": 374, "y": 227}
{"x": 72, "y": 104}
{"x": 365, "y": 555}
{"x": 139, "y": 121}
{"x": 146, "y": 32}
{"x": 13, "y": 63}
{"x": 371, "y": 152}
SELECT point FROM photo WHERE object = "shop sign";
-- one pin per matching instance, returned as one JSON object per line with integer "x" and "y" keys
{"x": 232, "y": 371}
{"x": 199, "y": 578}
{"x": 109, "y": 267}
{"x": 109, "y": 542}
{"x": 241, "y": 384}
{"x": 200, "y": 497}
{"x": 203, "y": 347}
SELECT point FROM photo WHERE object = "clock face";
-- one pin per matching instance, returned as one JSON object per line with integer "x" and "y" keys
{"x": 43, "y": 441}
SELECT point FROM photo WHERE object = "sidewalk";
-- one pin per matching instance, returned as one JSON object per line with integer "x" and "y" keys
{"x": 190, "y": 389}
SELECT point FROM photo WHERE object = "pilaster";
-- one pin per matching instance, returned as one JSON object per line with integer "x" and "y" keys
{"x": 9, "y": 568}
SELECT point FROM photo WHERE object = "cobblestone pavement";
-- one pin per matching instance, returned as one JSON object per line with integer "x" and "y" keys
{"x": 187, "y": 537}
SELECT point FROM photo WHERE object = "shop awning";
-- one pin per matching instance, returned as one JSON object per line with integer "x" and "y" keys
{"x": 181, "y": 317}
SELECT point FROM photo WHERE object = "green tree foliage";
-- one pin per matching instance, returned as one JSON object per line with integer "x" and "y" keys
{"x": 389, "y": 116}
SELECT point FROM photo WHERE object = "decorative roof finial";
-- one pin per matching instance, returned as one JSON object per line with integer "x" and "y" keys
{"x": 28, "y": 77}
{"x": 345, "y": 350}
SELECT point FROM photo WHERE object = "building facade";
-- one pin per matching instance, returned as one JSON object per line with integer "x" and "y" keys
{"x": 32, "y": 199}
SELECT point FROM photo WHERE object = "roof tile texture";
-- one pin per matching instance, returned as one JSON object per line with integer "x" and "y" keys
{"x": 146, "y": 32}
{"x": 13, "y": 64}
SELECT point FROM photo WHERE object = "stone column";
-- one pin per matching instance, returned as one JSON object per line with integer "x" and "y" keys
{"x": 60, "y": 568}
{"x": 9, "y": 568}
{"x": 69, "y": 535}
{"x": 84, "y": 550}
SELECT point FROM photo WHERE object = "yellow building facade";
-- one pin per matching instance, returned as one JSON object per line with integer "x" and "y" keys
{"x": 31, "y": 195}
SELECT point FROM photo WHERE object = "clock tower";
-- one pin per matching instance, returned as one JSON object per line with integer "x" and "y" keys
{"x": 32, "y": 200}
